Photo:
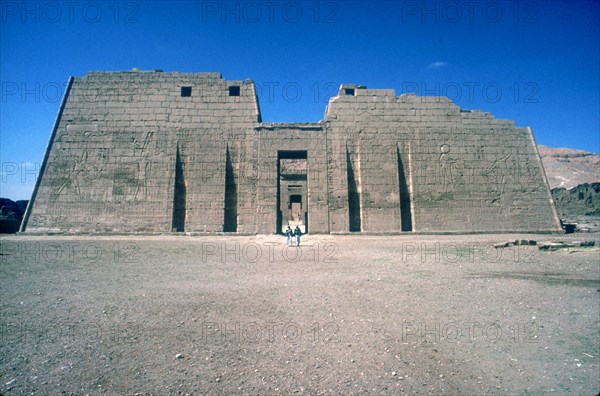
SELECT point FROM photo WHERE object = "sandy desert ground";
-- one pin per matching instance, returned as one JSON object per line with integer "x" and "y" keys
{"x": 409, "y": 314}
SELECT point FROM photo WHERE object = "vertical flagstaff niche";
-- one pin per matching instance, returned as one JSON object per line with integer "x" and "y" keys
{"x": 179, "y": 196}
{"x": 230, "y": 212}
{"x": 405, "y": 210}
{"x": 354, "y": 210}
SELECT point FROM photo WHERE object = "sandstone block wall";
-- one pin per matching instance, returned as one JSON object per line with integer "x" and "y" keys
{"x": 464, "y": 170}
{"x": 112, "y": 160}
{"x": 160, "y": 152}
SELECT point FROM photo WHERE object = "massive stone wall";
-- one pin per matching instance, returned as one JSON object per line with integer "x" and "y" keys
{"x": 160, "y": 152}
{"x": 461, "y": 171}
{"x": 118, "y": 141}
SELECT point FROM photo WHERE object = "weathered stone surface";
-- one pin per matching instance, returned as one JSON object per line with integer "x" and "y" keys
{"x": 579, "y": 207}
{"x": 160, "y": 152}
{"x": 582, "y": 200}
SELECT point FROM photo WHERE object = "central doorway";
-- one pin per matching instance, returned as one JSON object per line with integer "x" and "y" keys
{"x": 292, "y": 190}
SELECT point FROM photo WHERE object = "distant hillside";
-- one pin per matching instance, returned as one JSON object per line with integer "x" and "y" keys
{"x": 574, "y": 178}
{"x": 568, "y": 168}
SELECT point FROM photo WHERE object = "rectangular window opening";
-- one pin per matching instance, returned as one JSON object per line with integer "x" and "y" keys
{"x": 234, "y": 90}
{"x": 186, "y": 91}
{"x": 349, "y": 91}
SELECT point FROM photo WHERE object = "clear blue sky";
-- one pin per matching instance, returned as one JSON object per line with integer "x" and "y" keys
{"x": 536, "y": 62}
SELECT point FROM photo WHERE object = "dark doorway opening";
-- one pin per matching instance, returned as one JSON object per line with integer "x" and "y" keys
{"x": 179, "y": 196}
{"x": 405, "y": 214}
{"x": 230, "y": 215}
{"x": 353, "y": 196}
{"x": 292, "y": 190}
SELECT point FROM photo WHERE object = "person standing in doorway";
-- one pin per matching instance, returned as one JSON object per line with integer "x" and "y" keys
{"x": 297, "y": 233}
{"x": 288, "y": 235}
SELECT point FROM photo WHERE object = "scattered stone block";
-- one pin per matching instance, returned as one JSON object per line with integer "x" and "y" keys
{"x": 556, "y": 245}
